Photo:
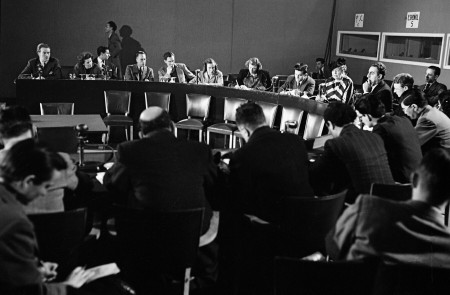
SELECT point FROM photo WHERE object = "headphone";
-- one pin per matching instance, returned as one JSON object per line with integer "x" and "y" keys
{"x": 209, "y": 61}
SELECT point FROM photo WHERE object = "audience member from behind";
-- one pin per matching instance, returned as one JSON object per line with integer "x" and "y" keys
{"x": 323, "y": 72}
{"x": 400, "y": 139}
{"x": 139, "y": 71}
{"x": 375, "y": 83}
{"x": 270, "y": 166}
{"x": 102, "y": 60}
{"x": 353, "y": 159}
{"x": 253, "y": 76}
{"x": 174, "y": 71}
{"x": 210, "y": 74}
{"x": 85, "y": 69}
{"x": 432, "y": 127}
{"x": 444, "y": 102}
{"x": 411, "y": 232}
{"x": 114, "y": 46}
{"x": 299, "y": 83}
{"x": 26, "y": 173}
{"x": 432, "y": 88}
{"x": 339, "y": 88}
{"x": 42, "y": 67}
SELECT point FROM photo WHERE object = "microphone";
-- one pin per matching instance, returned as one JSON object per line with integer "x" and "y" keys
{"x": 196, "y": 74}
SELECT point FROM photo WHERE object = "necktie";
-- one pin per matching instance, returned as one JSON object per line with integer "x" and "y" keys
{"x": 141, "y": 74}
{"x": 427, "y": 87}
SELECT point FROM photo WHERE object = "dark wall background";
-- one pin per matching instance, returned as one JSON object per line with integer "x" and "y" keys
{"x": 280, "y": 33}
{"x": 390, "y": 16}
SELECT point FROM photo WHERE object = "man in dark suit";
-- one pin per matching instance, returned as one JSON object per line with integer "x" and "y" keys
{"x": 432, "y": 88}
{"x": 139, "y": 71}
{"x": 410, "y": 232}
{"x": 253, "y": 76}
{"x": 114, "y": 46}
{"x": 102, "y": 60}
{"x": 353, "y": 159}
{"x": 323, "y": 72}
{"x": 375, "y": 83}
{"x": 42, "y": 67}
{"x": 178, "y": 72}
{"x": 400, "y": 139}
{"x": 300, "y": 82}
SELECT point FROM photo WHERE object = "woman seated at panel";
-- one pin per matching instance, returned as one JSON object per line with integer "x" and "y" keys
{"x": 210, "y": 74}
{"x": 338, "y": 88}
{"x": 85, "y": 69}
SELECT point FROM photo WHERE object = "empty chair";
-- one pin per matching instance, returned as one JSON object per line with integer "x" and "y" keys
{"x": 57, "y": 108}
{"x": 229, "y": 116}
{"x": 59, "y": 236}
{"x": 158, "y": 99}
{"x": 270, "y": 112}
{"x": 313, "y": 126}
{"x": 291, "y": 114}
{"x": 117, "y": 104}
{"x": 157, "y": 247}
{"x": 197, "y": 111}
{"x": 306, "y": 221}
{"x": 61, "y": 139}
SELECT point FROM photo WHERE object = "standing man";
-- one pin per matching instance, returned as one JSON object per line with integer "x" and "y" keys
{"x": 253, "y": 76}
{"x": 432, "y": 88}
{"x": 42, "y": 67}
{"x": 171, "y": 70}
{"x": 139, "y": 71}
{"x": 323, "y": 72}
{"x": 300, "y": 82}
{"x": 114, "y": 46}
{"x": 102, "y": 60}
{"x": 375, "y": 83}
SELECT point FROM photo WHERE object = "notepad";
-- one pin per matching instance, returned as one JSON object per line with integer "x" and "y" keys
{"x": 103, "y": 271}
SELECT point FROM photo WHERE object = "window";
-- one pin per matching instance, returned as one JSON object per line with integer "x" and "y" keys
{"x": 362, "y": 45}
{"x": 447, "y": 54}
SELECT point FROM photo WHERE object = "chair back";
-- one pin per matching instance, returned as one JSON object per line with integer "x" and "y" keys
{"x": 57, "y": 108}
{"x": 396, "y": 192}
{"x": 158, "y": 99}
{"x": 231, "y": 104}
{"x": 291, "y": 114}
{"x": 313, "y": 126}
{"x": 61, "y": 139}
{"x": 197, "y": 105}
{"x": 117, "y": 102}
{"x": 59, "y": 236}
{"x": 295, "y": 276}
{"x": 306, "y": 221}
{"x": 270, "y": 112}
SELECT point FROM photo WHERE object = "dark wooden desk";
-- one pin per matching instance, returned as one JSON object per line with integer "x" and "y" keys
{"x": 94, "y": 122}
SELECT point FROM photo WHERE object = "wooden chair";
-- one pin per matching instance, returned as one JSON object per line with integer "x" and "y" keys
{"x": 293, "y": 115}
{"x": 117, "y": 104}
{"x": 159, "y": 99}
{"x": 57, "y": 108}
{"x": 61, "y": 139}
{"x": 314, "y": 126}
{"x": 197, "y": 112}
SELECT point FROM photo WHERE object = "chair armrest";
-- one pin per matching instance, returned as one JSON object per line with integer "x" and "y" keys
{"x": 211, "y": 234}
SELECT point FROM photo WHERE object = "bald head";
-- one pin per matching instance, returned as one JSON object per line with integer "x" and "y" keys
{"x": 154, "y": 118}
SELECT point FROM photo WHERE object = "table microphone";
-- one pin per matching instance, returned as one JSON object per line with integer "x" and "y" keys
{"x": 196, "y": 74}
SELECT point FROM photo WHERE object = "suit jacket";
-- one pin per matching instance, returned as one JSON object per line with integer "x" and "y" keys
{"x": 402, "y": 145}
{"x": 183, "y": 73}
{"x": 115, "y": 47}
{"x": 264, "y": 79}
{"x": 355, "y": 160}
{"x": 306, "y": 85}
{"x": 108, "y": 68}
{"x": 433, "y": 129}
{"x": 270, "y": 166}
{"x": 432, "y": 93}
{"x": 132, "y": 73}
{"x": 18, "y": 248}
{"x": 397, "y": 232}
{"x": 163, "y": 173}
{"x": 79, "y": 70}
{"x": 383, "y": 86}
{"x": 324, "y": 73}
{"x": 51, "y": 71}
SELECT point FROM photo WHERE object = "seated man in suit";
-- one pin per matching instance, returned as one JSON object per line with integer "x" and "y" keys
{"x": 432, "y": 127}
{"x": 42, "y": 67}
{"x": 253, "y": 76}
{"x": 375, "y": 83}
{"x": 323, "y": 72}
{"x": 174, "y": 71}
{"x": 411, "y": 231}
{"x": 432, "y": 88}
{"x": 400, "y": 139}
{"x": 299, "y": 83}
{"x": 353, "y": 159}
{"x": 108, "y": 68}
{"x": 139, "y": 71}
{"x": 86, "y": 69}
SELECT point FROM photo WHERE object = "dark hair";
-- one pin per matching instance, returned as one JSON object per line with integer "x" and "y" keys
{"x": 341, "y": 61}
{"x": 140, "y": 52}
{"x": 112, "y": 25}
{"x": 42, "y": 45}
{"x": 339, "y": 114}
{"x": 381, "y": 68}
{"x": 320, "y": 59}
{"x": 101, "y": 49}
{"x": 210, "y": 61}
{"x": 168, "y": 54}
{"x": 371, "y": 105}
{"x": 301, "y": 67}
{"x": 84, "y": 56}
{"x": 415, "y": 97}
{"x": 433, "y": 172}
{"x": 444, "y": 99}
{"x": 251, "y": 114}
{"x": 161, "y": 122}
{"x": 28, "y": 158}
{"x": 437, "y": 70}
{"x": 254, "y": 61}
{"x": 404, "y": 79}
{"x": 14, "y": 121}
